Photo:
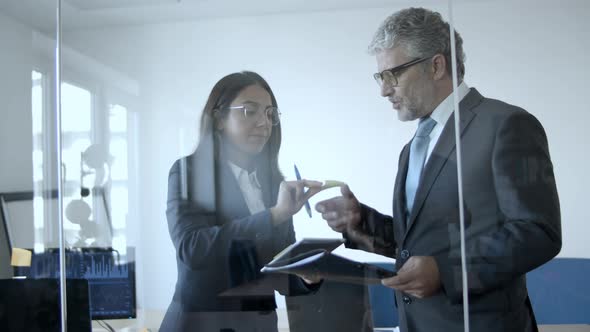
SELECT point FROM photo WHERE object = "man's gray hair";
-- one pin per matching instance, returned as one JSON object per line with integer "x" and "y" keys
{"x": 422, "y": 33}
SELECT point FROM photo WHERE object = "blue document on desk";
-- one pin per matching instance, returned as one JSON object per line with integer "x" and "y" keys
{"x": 314, "y": 257}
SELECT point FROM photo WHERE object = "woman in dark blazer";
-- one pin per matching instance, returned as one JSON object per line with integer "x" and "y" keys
{"x": 229, "y": 212}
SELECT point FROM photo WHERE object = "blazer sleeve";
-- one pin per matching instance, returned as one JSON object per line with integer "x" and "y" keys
{"x": 376, "y": 233}
{"x": 201, "y": 239}
{"x": 197, "y": 234}
{"x": 529, "y": 230}
{"x": 288, "y": 284}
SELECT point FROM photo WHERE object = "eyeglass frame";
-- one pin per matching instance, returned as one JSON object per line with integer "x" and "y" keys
{"x": 243, "y": 107}
{"x": 395, "y": 71}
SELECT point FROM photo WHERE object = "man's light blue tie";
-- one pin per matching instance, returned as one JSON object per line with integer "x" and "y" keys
{"x": 418, "y": 151}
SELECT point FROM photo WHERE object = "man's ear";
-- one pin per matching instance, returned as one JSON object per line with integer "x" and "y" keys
{"x": 439, "y": 66}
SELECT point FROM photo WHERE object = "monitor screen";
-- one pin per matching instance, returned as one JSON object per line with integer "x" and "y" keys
{"x": 33, "y": 305}
{"x": 5, "y": 244}
{"x": 111, "y": 277}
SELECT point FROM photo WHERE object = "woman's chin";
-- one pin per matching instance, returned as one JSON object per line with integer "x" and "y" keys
{"x": 256, "y": 145}
{"x": 254, "y": 148}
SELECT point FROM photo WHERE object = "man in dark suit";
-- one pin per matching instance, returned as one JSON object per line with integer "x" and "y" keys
{"x": 510, "y": 202}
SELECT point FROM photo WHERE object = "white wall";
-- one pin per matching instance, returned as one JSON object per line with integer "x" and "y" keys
{"x": 16, "y": 160}
{"x": 16, "y": 142}
{"x": 336, "y": 126}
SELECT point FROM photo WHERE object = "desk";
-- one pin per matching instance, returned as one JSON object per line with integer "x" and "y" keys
{"x": 147, "y": 320}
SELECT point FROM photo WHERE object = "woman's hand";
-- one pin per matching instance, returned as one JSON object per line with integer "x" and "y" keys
{"x": 292, "y": 197}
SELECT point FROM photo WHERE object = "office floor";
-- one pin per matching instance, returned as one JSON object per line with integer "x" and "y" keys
{"x": 150, "y": 321}
{"x": 545, "y": 328}
{"x": 564, "y": 328}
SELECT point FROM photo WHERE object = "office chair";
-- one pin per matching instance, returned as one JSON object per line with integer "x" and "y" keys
{"x": 382, "y": 301}
{"x": 560, "y": 291}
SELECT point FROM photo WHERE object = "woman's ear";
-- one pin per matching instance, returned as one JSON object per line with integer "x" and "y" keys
{"x": 218, "y": 120}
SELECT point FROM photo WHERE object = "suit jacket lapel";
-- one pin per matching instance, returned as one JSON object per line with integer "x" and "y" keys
{"x": 399, "y": 204}
{"x": 443, "y": 149}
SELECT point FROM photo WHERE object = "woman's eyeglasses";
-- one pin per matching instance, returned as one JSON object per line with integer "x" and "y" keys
{"x": 252, "y": 113}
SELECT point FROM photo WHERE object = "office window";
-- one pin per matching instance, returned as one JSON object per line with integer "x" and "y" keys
{"x": 38, "y": 102}
{"x": 77, "y": 109}
{"x": 85, "y": 126}
{"x": 119, "y": 152}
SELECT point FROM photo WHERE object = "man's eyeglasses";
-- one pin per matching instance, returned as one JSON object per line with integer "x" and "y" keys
{"x": 391, "y": 75}
{"x": 253, "y": 112}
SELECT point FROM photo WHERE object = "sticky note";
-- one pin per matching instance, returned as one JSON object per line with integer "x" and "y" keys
{"x": 21, "y": 257}
{"x": 332, "y": 183}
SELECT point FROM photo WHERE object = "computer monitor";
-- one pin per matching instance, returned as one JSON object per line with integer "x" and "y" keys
{"x": 33, "y": 305}
{"x": 6, "y": 271}
{"x": 111, "y": 277}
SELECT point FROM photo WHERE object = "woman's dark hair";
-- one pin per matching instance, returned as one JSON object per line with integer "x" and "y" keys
{"x": 217, "y": 108}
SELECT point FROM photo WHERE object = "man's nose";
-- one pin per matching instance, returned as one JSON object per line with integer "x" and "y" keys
{"x": 387, "y": 89}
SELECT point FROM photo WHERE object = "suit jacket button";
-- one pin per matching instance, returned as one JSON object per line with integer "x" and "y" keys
{"x": 405, "y": 254}
{"x": 407, "y": 299}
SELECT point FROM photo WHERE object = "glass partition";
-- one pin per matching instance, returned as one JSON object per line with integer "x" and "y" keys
{"x": 186, "y": 128}
{"x": 195, "y": 170}
{"x": 524, "y": 238}
{"x": 32, "y": 291}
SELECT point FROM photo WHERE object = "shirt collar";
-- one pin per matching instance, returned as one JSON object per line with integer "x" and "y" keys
{"x": 240, "y": 172}
{"x": 444, "y": 110}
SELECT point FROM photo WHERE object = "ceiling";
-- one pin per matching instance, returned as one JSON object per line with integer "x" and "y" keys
{"x": 84, "y": 14}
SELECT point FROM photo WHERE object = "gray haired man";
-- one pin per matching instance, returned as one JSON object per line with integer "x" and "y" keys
{"x": 512, "y": 214}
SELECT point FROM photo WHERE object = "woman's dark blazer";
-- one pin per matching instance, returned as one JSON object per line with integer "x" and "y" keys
{"x": 219, "y": 245}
